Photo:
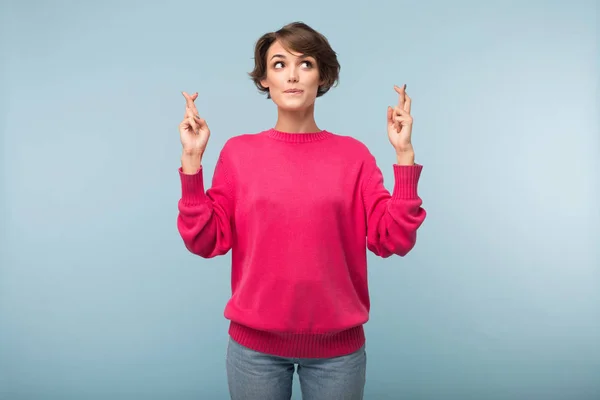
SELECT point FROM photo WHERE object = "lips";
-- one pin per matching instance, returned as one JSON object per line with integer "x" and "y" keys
{"x": 293, "y": 91}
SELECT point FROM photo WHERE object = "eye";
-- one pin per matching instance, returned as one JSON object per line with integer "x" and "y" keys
{"x": 308, "y": 64}
{"x": 278, "y": 63}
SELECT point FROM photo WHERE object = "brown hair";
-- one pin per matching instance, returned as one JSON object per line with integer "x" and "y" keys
{"x": 300, "y": 38}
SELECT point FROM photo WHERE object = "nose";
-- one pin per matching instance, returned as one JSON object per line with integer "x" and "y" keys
{"x": 293, "y": 76}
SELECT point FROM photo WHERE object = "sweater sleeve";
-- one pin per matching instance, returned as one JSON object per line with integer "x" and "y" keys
{"x": 393, "y": 219}
{"x": 205, "y": 218}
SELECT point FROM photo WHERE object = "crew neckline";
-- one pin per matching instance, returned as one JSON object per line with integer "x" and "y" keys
{"x": 304, "y": 137}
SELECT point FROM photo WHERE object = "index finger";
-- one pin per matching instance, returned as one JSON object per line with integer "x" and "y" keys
{"x": 401, "y": 97}
{"x": 407, "y": 102}
{"x": 189, "y": 100}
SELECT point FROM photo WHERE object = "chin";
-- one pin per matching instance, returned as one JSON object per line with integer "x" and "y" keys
{"x": 292, "y": 107}
{"x": 293, "y": 104}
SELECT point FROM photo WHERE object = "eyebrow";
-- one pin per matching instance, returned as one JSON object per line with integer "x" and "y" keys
{"x": 283, "y": 56}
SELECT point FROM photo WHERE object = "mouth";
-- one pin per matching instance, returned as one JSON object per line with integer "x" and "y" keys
{"x": 294, "y": 91}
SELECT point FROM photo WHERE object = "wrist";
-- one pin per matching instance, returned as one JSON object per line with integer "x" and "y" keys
{"x": 405, "y": 157}
{"x": 190, "y": 163}
{"x": 192, "y": 153}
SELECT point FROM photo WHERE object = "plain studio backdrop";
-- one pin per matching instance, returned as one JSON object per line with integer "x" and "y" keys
{"x": 500, "y": 298}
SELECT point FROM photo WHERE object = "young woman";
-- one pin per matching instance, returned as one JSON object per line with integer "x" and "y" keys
{"x": 298, "y": 206}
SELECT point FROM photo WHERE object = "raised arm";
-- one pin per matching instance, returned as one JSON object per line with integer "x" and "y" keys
{"x": 204, "y": 219}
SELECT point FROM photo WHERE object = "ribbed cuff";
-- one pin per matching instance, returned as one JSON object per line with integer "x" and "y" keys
{"x": 192, "y": 187}
{"x": 406, "y": 180}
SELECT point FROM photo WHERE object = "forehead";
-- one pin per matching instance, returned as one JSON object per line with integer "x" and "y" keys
{"x": 279, "y": 49}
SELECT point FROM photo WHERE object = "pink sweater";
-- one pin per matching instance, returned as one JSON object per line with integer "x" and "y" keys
{"x": 298, "y": 212}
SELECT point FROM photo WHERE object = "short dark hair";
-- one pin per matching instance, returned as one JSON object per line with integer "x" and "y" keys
{"x": 300, "y": 38}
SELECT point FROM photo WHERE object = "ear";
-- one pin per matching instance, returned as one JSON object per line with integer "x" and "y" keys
{"x": 321, "y": 83}
{"x": 264, "y": 84}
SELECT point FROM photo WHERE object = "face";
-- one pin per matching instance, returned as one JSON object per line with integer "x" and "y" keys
{"x": 292, "y": 78}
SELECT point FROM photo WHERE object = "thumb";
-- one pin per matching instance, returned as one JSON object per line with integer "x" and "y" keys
{"x": 202, "y": 123}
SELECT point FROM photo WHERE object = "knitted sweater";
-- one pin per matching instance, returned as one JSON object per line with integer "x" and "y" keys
{"x": 299, "y": 211}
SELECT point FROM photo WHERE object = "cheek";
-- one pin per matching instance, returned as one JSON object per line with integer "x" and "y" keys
{"x": 315, "y": 84}
{"x": 314, "y": 78}
{"x": 278, "y": 81}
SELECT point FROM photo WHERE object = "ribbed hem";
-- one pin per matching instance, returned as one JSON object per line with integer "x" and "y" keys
{"x": 293, "y": 345}
{"x": 406, "y": 181}
{"x": 192, "y": 187}
{"x": 302, "y": 137}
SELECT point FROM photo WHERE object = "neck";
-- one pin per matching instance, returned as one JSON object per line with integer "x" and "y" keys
{"x": 297, "y": 121}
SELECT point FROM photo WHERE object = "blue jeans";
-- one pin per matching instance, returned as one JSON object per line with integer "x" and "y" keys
{"x": 252, "y": 375}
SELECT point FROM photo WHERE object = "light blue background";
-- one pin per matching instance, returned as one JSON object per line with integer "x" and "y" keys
{"x": 500, "y": 299}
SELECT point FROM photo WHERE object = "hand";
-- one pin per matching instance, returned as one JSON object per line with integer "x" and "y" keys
{"x": 399, "y": 122}
{"x": 193, "y": 130}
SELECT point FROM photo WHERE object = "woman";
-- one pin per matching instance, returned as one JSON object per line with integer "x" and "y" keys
{"x": 298, "y": 206}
